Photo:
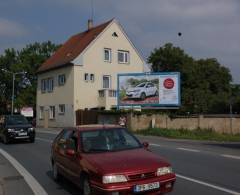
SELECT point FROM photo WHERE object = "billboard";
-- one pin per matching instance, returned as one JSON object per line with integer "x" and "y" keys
{"x": 149, "y": 89}
{"x": 27, "y": 111}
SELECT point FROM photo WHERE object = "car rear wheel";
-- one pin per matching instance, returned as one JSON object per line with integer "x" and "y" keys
{"x": 143, "y": 96}
{"x": 55, "y": 172}
{"x": 86, "y": 187}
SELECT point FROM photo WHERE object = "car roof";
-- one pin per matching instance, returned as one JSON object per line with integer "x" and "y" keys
{"x": 92, "y": 127}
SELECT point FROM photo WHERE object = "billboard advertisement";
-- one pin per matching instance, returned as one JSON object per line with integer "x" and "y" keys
{"x": 27, "y": 111}
{"x": 149, "y": 89}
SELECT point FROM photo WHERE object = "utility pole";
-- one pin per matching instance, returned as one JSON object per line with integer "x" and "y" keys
{"x": 13, "y": 82}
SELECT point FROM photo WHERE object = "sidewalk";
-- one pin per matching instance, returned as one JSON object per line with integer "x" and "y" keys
{"x": 11, "y": 182}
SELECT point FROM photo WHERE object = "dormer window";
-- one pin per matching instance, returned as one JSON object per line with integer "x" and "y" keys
{"x": 107, "y": 55}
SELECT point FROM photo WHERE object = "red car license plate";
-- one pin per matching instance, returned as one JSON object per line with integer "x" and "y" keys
{"x": 146, "y": 187}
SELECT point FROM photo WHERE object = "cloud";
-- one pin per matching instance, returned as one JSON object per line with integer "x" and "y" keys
{"x": 210, "y": 28}
{"x": 11, "y": 29}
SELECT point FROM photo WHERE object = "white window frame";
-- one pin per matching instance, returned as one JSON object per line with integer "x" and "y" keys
{"x": 61, "y": 79}
{"x": 126, "y": 57}
{"x": 41, "y": 112}
{"x": 109, "y": 53}
{"x": 61, "y": 109}
{"x": 52, "y": 113}
{"x": 109, "y": 76}
{"x": 47, "y": 85}
{"x": 50, "y": 82}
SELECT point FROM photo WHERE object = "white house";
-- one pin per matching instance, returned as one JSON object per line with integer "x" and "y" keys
{"x": 83, "y": 73}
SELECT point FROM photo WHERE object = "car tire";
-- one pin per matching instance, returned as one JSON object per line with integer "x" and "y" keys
{"x": 5, "y": 139}
{"x": 32, "y": 139}
{"x": 86, "y": 187}
{"x": 156, "y": 93}
{"x": 143, "y": 96}
{"x": 56, "y": 175}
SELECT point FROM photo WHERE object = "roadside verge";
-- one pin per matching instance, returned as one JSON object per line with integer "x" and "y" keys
{"x": 14, "y": 179}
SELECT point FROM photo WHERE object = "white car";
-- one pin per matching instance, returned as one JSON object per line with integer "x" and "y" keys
{"x": 142, "y": 91}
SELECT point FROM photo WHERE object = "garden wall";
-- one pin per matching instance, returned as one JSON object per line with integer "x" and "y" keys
{"x": 218, "y": 123}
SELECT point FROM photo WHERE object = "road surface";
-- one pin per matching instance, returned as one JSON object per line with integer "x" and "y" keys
{"x": 202, "y": 167}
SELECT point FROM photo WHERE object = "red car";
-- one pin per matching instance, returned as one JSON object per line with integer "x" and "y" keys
{"x": 107, "y": 159}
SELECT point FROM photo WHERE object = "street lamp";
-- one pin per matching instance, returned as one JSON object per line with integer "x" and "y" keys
{"x": 13, "y": 82}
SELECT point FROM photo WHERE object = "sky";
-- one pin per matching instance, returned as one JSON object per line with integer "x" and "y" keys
{"x": 210, "y": 28}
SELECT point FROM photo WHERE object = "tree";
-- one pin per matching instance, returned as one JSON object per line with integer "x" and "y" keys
{"x": 28, "y": 60}
{"x": 205, "y": 83}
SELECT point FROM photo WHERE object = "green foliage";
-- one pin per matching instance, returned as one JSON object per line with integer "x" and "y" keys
{"x": 122, "y": 94}
{"x": 26, "y": 60}
{"x": 205, "y": 83}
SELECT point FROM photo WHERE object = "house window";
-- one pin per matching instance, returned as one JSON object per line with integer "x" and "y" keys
{"x": 106, "y": 81}
{"x": 61, "y": 108}
{"x": 86, "y": 77}
{"x": 123, "y": 57}
{"x": 107, "y": 55}
{"x": 92, "y": 77}
{"x": 101, "y": 93}
{"x": 61, "y": 79}
{"x": 47, "y": 85}
{"x": 112, "y": 93}
{"x": 50, "y": 84}
{"x": 41, "y": 112}
{"x": 43, "y": 86}
{"x": 52, "y": 112}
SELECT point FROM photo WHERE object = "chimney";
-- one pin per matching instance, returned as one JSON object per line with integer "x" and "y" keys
{"x": 90, "y": 24}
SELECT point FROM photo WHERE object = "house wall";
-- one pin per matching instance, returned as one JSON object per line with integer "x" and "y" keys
{"x": 60, "y": 95}
{"x": 92, "y": 62}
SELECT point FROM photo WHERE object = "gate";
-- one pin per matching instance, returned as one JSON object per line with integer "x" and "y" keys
{"x": 85, "y": 117}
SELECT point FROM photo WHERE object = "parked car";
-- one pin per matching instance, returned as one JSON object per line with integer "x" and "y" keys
{"x": 142, "y": 91}
{"x": 108, "y": 159}
{"x": 16, "y": 127}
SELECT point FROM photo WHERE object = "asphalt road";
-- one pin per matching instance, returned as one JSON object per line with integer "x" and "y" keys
{"x": 201, "y": 167}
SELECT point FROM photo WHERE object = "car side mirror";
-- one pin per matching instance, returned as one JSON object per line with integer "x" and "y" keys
{"x": 70, "y": 147}
{"x": 145, "y": 145}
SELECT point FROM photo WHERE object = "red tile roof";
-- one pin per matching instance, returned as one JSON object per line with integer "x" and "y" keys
{"x": 72, "y": 48}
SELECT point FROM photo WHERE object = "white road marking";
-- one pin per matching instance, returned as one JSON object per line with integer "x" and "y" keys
{"x": 42, "y": 139}
{"x": 188, "y": 149}
{"x": 155, "y": 145}
{"x": 31, "y": 181}
{"x": 209, "y": 185}
{"x": 231, "y": 156}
